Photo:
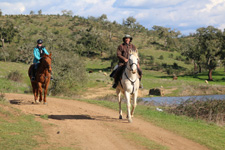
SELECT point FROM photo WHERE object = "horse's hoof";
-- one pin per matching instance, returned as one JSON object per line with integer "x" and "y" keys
{"x": 120, "y": 117}
{"x": 130, "y": 120}
{"x": 37, "y": 102}
{"x": 45, "y": 103}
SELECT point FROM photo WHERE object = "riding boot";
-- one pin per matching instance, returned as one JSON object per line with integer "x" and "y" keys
{"x": 51, "y": 78}
{"x": 140, "y": 84}
{"x": 140, "y": 74}
{"x": 33, "y": 74}
{"x": 113, "y": 73}
{"x": 116, "y": 81}
{"x": 117, "y": 75}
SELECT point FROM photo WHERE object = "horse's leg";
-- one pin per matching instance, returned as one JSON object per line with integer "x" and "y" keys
{"x": 119, "y": 100}
{"x": 127, "y": 95}
{"x": 45, "y": 91}
{"x": 134, "y": 103}
{"x": 40, "y": 91}
{"x": 35, "y": 92}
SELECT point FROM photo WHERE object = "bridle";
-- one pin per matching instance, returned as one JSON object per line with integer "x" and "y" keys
{"x": 46, "y": 65}
{"x": 131, "y": 64}
{"x": 130, "y": 69}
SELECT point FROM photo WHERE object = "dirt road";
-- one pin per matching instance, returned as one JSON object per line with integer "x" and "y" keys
{"x": 80, "y": 125}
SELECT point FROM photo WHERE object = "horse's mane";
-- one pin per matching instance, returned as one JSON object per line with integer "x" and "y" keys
{"x": 134, "y": 52}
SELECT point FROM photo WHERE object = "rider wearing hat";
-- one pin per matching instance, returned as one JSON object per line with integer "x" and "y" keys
{"x": 38, "y": 52}
{"x": 123, "y": 56}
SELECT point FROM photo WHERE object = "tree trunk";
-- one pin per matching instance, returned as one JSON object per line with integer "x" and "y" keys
{"x": 2, "y": 42}
{"x": 195, "y": 67}
{"x": 199, "y": 69}
{"x": 210, "y": 75}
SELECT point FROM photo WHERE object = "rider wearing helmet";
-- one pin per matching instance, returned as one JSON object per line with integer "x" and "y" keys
{"x": 38, "y": 52}
{"x": 123, "y": 56}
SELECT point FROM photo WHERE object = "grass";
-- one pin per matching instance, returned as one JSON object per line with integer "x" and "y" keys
{"x": 12, "y": 86}
{"x": 18, "y": 131}
{"x": 45, "y": 116}
{"x": 143, "y": 141}
{"x": 210, "y": 135}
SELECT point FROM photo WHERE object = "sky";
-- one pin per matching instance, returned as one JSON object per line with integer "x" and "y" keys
{"x": 183, "y": 15}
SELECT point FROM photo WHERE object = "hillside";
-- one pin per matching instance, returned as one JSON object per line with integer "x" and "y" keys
{"x": 85, "y": 44}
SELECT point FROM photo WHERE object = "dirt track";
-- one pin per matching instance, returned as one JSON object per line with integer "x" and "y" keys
{"x": 85, "y": 126}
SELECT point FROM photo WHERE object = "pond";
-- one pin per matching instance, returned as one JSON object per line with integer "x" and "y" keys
{"x": 178, "y": 100}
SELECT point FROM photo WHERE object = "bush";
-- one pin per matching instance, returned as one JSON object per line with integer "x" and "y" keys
{"x": 69, "y": 74}
{"x": 15, "y": 76}
{"x": 209, "y": 110}
{"x": 170, "y": 55}
{"x": 2, "y": 96}
{"x": 161, "y": 57}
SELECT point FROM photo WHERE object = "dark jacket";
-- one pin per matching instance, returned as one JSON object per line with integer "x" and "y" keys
{"x": 123, "y": 52}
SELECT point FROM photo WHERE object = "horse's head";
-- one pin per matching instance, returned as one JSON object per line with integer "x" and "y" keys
{"x": 133, "y": 61}
{"x": 46, "y": 61}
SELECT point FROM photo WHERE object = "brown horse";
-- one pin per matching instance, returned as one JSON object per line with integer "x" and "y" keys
{"x": 42, "y": 77}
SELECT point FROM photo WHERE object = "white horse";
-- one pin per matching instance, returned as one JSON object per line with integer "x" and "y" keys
{"x": 129, "y": 85}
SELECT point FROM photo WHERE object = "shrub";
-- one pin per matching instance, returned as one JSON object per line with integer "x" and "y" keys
{"x": 161, "y": 57}
{"x": 170, "y": 55}
{"x": 209, "y": 110}
{"x": 2, "y": 96}
{"x": 69, "y": 74}
{"x": 15, "y": 76}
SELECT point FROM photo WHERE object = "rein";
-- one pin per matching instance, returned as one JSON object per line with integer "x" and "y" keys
{"x": 44, "y": 68}
{"x": 132, "y": 82}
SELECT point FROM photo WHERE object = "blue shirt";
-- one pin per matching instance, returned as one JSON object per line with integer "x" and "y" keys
{"x": 37, "y": 56}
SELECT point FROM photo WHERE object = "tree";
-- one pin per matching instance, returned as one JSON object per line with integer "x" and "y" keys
{"x": 167, "y": 34}
{"x": 7, "y": 32}
{"x": 0, "y": 12}
{"x": 40, "y": 12}
{"x": 67, "y": 12}
{"x": 191, "y": 50}
{"x": 130, "y": 22}
{"x": 210, "y": 41}
{"x": 103, "y": 17}
{"x": 31, "y": 12}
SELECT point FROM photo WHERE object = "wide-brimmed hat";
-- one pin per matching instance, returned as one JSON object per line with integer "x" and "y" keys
{"x": 127, "y": 36}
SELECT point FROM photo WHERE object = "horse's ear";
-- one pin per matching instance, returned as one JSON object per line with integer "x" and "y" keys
{"x": 136, "y": 50}
{"x": 50, "y": 55}
{"x": 130, "y": 51}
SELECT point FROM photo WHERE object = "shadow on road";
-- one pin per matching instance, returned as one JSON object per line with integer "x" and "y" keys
{"x": 77, "y": 117}
{"x": 20, "y": 102}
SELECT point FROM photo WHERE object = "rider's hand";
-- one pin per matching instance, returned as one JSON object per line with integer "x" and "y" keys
{"x": 126, "y": 60}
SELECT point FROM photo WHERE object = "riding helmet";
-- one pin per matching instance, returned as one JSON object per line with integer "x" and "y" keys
{"x": 39, "y": 41}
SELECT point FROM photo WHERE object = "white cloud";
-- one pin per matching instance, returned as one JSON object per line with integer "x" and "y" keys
{"x": 147, "y": 4}
{"x": 184, "y": 15}
{"x": 12, "y": 8}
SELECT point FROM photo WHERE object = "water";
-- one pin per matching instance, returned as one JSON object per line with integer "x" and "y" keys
{"x": 178, "y": 100}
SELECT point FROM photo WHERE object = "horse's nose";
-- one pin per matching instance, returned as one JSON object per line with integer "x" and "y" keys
{"x": 134, "y": 71}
